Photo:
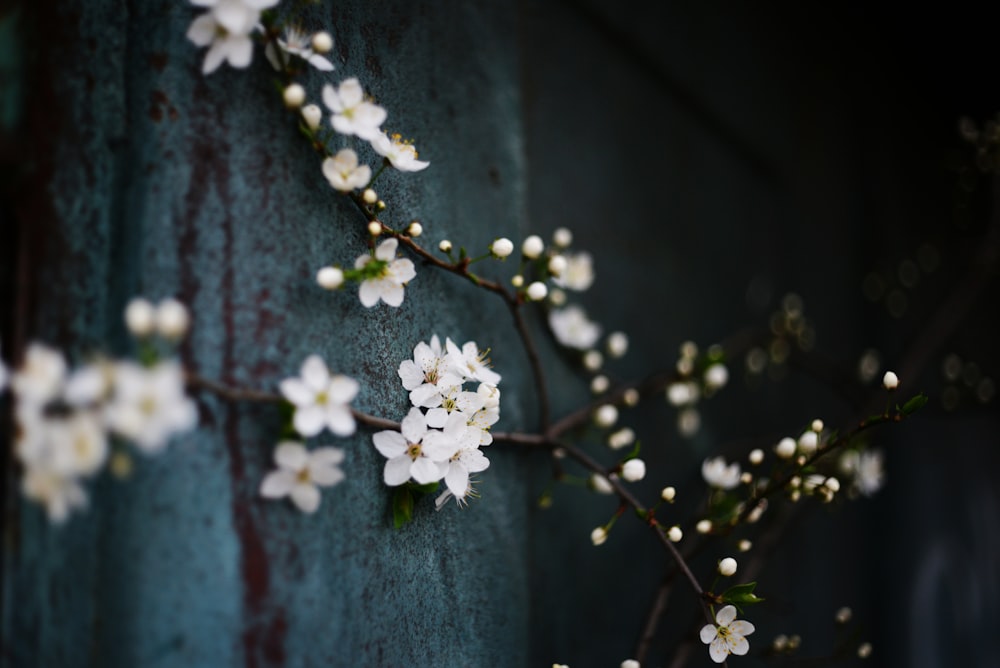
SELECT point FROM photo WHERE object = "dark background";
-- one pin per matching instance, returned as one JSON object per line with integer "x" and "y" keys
{"x": 714, "y": 157}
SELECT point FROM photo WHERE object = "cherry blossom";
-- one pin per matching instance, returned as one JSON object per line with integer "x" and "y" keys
{"x": 470, "y": 363}
{"x": 415, "y": 451}
{"x": 573, "y": 329}
{"x": 297, "y": 43}
{"x": 401, "y": 154}
{"x": 428, "y": 374}
{"x": 148, "y": 405}
{"x": 344, "y": 173}
{"x": 226, "y": 29}
{"x": 717, "y": 474}
{"x": 392, "y": 274}
{"x": 352, "y": 114}
{"x": 728, "y": 636}
{"x": 578, "y": 273}
{"x": 320, "y": 400}
{"x": 301, "y": 473}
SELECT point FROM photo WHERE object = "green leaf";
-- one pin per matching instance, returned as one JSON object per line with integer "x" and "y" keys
{"x": 914, "y": 404}
{"x": 402, "y": 506}
{"x": 634, "y": 453}
{"x": 741, "y": 595}
{"x": 429, "y": 488}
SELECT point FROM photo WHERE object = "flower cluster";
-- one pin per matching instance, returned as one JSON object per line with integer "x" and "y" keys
{"x": 225, "y": 29}
{"x": 443, "y": 442}
{"x": 66, "y": 418}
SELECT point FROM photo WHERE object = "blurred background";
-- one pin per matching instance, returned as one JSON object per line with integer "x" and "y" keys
{"x": 723, "y": 163}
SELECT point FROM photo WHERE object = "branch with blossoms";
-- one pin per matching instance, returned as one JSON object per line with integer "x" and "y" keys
{"x": 74, "y": 423}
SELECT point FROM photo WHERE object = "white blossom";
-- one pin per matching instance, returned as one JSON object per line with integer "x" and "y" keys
{"x": 388, "y": 284}
{"x": 717, "y": 474}
{"x": 578, "y": 274}
{"x": 344, "y": 173}
{"x": 312, "y": 115}
{"x": 415, "y": 451}
{"x": 468, "y": 459}
{"x": 470, "y": 363}
{"x": 301, "y": 473}
{"x": 598, "y": 536}
{"x": 352, "y": 114}
{"x": 320, "y": 400}
{"x": 634, "y": 470}
{"x": 572, "y": 329}
{"x": 428, "y": 375}
{"x": 226, "y": 29}
{"x": 716, "y": 376}
{"x": 300, "y": 44}
{"x": 865, "y": 468}
{"x": 59, "y": 494}
{"x": 400, "y": 153}
{"x": 41, "y": 376}
{"x": 728, "y": 636}
{"x": 148, "y": 405}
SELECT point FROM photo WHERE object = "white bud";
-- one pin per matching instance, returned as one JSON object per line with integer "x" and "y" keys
{"x": 369, "y": 196}
{"x": 606, "y": 415}
{"x": 832, "y": 484}
{"x": 592, "y": 360}
{"x": 843, "y": 615}
{"x": 562, "y": 237}
{"x": 890, "y": 381}
{"x": 600, "y": 484}
{"x": 312, "y": 115}
{"x": 599, "y": 384}
{"x": 674, "y": 534}
{"x": 415, "y": 229}
{"x": 558, "y": 297}
{"x": 668, "y": 494}
{"x": 140, "y": 317}
{"x": 727, "y": 567}
{"x": 716, "y": 376}
{"x": 817, "y": 425}
{"x": 864, "y": 650}
{"x": 502, "y": 247}
{"x": 785, "y": 448}
{"x": 756, "y": 456}
{"x": 375, "y": 228}
{"x": 746, "y": 477}
{"x": 294, "y": 96}
{"x": 630, "y": 397}
{"x": 634, "y": 470}
{"x": 172, "y": 319}
{"x": 517, "y": 280}
{"x": 703, "y": 526}
{"x": 444, "y": 246}
{"x": 537, "y": 291}
{"x": 744, "y": 545}
{"x": 629, "y": 663}
{"x": 617, "y": 344}
{"x": 532, "y": 247}
{"x": 621, "y": 438}
{"x": 330, "y": 278}
{"x": 557, "y": 265}
{"x": 598, "y": 536}
{"x": 322, "y": 42}
{"x": 808, "y": 442}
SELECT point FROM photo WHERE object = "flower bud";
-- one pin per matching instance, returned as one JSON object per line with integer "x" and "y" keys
{"x": 716, "y": 376}
{"x": 668, "y": 494}
{"x": 744, "y": 545}
{"x": 172, "y": 319}
{"x": 808, "y": 442}
{"x": 890, "y": 381}
{"x": 312, "y": 115}
{"x": 634, "y": 470}
{"x": 630, "y": 397}
{"x": 562, "y": 237}
{"x": 727, "y": 567}
{"x": 375, "y": 228}
{"x": 502, "y": 247}
{"x": 557, "y": 265}
{"x": 444, "y": 246}
{"x": 629, "y": 663}
{"x": 369, "y": 196}
{"x": 330, "y": 278}
{"x": 621, "y": 438}
{"x": 599, "y": 384}
{"x": 606, "y": 415}
{"x": 785, "y": 448}
{"x": 537, "y": 291}
{"x": 598, "y": 536}
{"x": 558, "y": 297}
{"x": 415, "y": 229}
{"x": 140, "y": 317}
{"x": 756, "y": 456}
{"x": 532, "y": 247}
{"x": 322, "y": 42}
{"x": 600, "y": 484}
{"x": 592, "y": 360}
{"x": 703, "y": 526}
{"x": 617, "y": 344}
{"x": 517, "y": 280}
{"x": 294, "y": 96}
{"x": 674, "y": 534}
{"x": 817, "y": 425}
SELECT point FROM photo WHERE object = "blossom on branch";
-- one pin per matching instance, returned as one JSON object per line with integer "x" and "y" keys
{"x": 320, "y": 400}
{"x": 225, "y": 28}
{"x": 148, "y": 405}
{"x": 717, "y": 474}
{"x": 388, "y": 275}
{"x": 344, "y": 173}
{"x": 573, "y": 329}
{"x": 296, "y": 43}
{"x": 301, "y": 473}
{"x": 401, "y": 154}
{"x": 352, "y": 114}
{"x": 415, "y": 451}
{"x": 728, "y": 637}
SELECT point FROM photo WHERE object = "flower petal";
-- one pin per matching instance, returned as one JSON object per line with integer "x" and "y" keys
{"x": 306, "y": 497}
{"x": 291, "y": 456}
{"x": 309, "y": 420}
{"x": 297, "y": 392}
{"x": 386, "y": 250}
{"x": 457, "y": 480}
{"x": 718, "y": 650}
{"x": 725, "y": 615}
{"x": 315, "y": 374}
{"x": 340, "y": 420}
{"x": 708, "y": 633}
{"x": 342, "y": 389}
{"x": 741, "y": 627}
{"x": 277, "y": 484}
{"x": 390, "y": 444}
{"x": 397, "y": 470}
{"x": 424, "y": 471}
{"x": 738, "y": 645}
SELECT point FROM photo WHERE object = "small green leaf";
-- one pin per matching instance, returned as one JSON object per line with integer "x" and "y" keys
{"x": 914, "y": 404}
{"x": 402, "y": 506}
{"x": 741, "y": 595}
{"x": 429, "y": 488}
{"x": 635, "y": 451}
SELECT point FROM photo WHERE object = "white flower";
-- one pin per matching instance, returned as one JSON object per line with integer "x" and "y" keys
{"x": 41, "y": 376}
{"x": 300, "y": 44}
{"x": 388, "y": 284}
{"x": 682, "y": 393}
{"x": 352, "y": 115}
{"x": 634, "y": 470}
{"x": 572, "y": 329}
{"x": 470, "y": 363}
{"x": 58, "y": 493}
{"x": 414, "y": 451}
{"x": 785, "y": 448}
{"x": 301, "y": 473}
{"x": 729, "y": 637}
{"x": 481, "y": 421}
{"x": 866, "y": 470}
{"x": 467, "y": 460}
{"x": 455, "y": 400}
{"x": 148, "y": 405}
{"x": 401, "y": 154}
{"x": 598, "y": 536}
{"x": 320, "y": 400}
{"x": 226, "y": 29}
{"x": 717, "y": 474}
{"x": 344, "y": 173}
{"x": 78, "y": 445}
{"x": 428, "y": 375}
{"x": 578, "y": 274}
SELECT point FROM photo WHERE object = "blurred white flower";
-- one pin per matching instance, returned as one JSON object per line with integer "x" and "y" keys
{"x": 301, "y": 473}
